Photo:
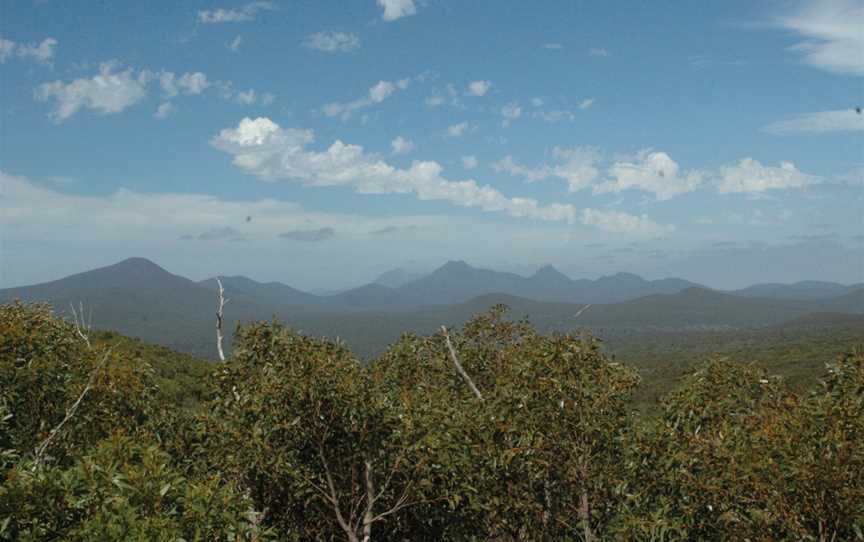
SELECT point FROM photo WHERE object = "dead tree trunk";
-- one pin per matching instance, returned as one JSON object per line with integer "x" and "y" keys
{"x": 221, "y": 305}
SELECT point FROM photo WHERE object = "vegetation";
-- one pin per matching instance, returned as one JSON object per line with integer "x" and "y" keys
{"x": 293, "y": 438}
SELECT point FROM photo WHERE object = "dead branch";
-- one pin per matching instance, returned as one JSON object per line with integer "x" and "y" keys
{"x": 82, "y": 325}
{"x": 459, "y": 365}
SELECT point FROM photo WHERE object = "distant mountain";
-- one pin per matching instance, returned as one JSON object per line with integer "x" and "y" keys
{"x": 140, "y": 299}
{"x": 268, "y": 293}
{"x": 808, "y": 289}
{"x": 396, "y": 278}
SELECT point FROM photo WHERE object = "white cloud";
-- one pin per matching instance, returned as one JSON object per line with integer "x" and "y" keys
{"x": 510, "y": 112}
{"x": 457, "y": 130}
{"x": 106, "y": 93}
{"x": 619, "y": 222}
{"x": 243, "y": 14}
{"x": 650, "y": 171}
{"x": 164, "y": 110}
{"x": 250, "y": 97}
{"x": 832, "y": 29}
{"x": 844, "y": 120}
{"x": 400, "y": 145}
{"x": 749, "y": 176}
{"x": 377, "y": 94}
{"x": 188, "y": 83}
{"x": 332, "y": 42}
{"x": 193, "y": 83}
{"x": 469, "y": 162}
{"x": 234, "y": 46}
{"x": 585, "y": 104}
{"x": 508, "y": 165}
{"x": 554, "y": 46}
{"x": 7, "y": 49}
{"x": 578, "y": 166}
{"x": 262, "y": 148}
{"x": 396, "y": 9}
{"x": 557, "y": 115}
{"x": 434, "y": 101}
{"x": 479, "y": 88}
{"x": 598, "y": 51}
{"x": 537, "y": 102}
{"x": 42, "y": 52}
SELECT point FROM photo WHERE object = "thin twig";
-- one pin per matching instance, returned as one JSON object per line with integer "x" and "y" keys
{"x": 459, "y": 365}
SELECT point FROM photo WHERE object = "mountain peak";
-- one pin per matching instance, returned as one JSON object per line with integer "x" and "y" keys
{"x": 137, "y": 264}
{"x": 548, "y": 271}
{"x": 454, "y": 266}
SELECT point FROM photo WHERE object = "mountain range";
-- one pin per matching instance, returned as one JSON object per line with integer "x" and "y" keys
{"x": 139, "y": 298}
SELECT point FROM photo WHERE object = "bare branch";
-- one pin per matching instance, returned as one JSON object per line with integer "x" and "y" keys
{"x": 219, "y": 336}
{"x": 580, "y": 311}
{"x": 334, "y": 500}
{"x": 40, "y": 450}
{"x": 459, "y": 365}
{"x": 82, "y": 326}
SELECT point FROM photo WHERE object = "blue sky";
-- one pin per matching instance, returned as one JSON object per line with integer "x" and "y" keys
{"x": 321, "y": 143}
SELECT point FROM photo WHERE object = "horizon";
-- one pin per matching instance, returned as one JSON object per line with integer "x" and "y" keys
{"x": 324, "y": 292}
{"x": 322, "y": 145}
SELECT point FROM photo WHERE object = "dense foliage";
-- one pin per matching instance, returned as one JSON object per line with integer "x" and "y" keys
{"x": 293, "y": 438}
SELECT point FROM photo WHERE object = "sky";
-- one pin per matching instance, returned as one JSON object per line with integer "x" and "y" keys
{"x": 322, "y": 143}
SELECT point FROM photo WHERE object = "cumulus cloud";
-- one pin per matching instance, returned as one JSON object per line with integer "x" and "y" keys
{"x": 263, "y": 148}
{"x": 379, "y": 92}
{"x": 619, "y": 222}
{"x": 434, "y": 101}
{"x": 578, "y": 166}
{"x": 457, "y": 130}
{"x": 554, "y": 116}
{"x": 479, "y": 88}
{"x": 251, "y": 97}
{"x": 510, "y": 112}
{"x": 244, "y": 14}
{"x": 309, "y": 236}
{"x": 749, "y": 176}
{"x": 650, "y": 171}
{"x": 332, "y": 42}
{"x": 164, "y": 110}
{"x": 821, "y": 122}
{"x": 188, "y": 83}
{"x": 833, "y": 39}
{"x": 244, "y": 97}
{"x": 396, "y": 9}
{"x": 469, "y": 162}
{"x": 107, "y": 93}
{"x": 41, "y": 52}
{"x": 400, "y": 145}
